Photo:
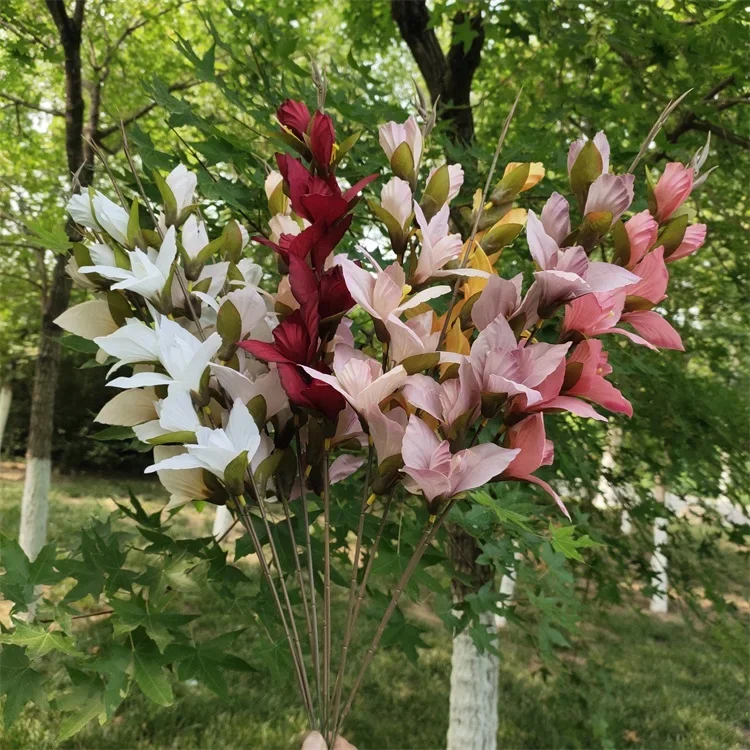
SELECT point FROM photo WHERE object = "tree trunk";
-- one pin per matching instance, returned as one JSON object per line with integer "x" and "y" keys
{"x": 6, "y": 396}
{"x": 474, "y": 694}
{"x": 660, "y": 600}
{"x": 474, "y": 674}
{"x": 508, "y": 588}
{"x": 35, "y": 500}
{"x": 34, "y": 504}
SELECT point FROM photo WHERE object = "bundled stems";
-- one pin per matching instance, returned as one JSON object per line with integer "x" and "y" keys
{"x": 297, "y": 566}
{"x": 326, "y": 591}
{"x": 310, "y": 571}
{"x": 284, "y": 590}
{"x": 427, "y": 536}
{"x": 352, "y": 592}
{"x": 298, "y": 668}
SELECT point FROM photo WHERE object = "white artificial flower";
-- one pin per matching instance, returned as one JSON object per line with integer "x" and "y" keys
{"x": 183, "y": 486}
{"x": 175, "y": 413}
{"x": 182, "y": 183}
{"x": 273, "y": 180}
{"x": 99, "y": 212}
{"x": 88, "y": 320}
{"x": 182, "y": 355}
{"x": 284, "y": 224}
{"x": 148, "y": 272}
{"x": 194, "y": 236}
{"x": 216, "y": 449}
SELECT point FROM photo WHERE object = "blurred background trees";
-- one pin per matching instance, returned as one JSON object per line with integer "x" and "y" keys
{"x": 199, "y": 81}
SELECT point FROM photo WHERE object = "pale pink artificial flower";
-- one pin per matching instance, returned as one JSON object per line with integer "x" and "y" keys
{"x": 359, "y": 378}
{"x": 602, "y": 145}
{"x": 555, "y": 218}
{"x": 447, "y": 401}
{"x": 415, "y": 336}
{"x": 382, "y": 294}
{"x": 501, "y": 366}
{"x": 348, "y": 427}
{"x": 393, "y": 134}
{"x": 440, "y": 475}
{"x": 387, "y": 431}
{"x": 456, "y": 177}
{"x": 438, "y": 248}
{"x": 396, "y": 199}
{"x": 529, "y": 438}
{"x": 672, "y": 190}
{"x": 500, "y": 297}
{"x": 612, "y": 193}
{"x": 566, "y": 273}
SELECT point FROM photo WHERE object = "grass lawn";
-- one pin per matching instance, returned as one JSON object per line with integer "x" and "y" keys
{"x": 633, "y": 680}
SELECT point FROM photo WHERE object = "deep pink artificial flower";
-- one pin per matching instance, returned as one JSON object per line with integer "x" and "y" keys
{"x": 672, "y": 190}
{"x": 580, "y": 377}
{"x": 641, "y": 230}
{"x": 534, "y": 450}
{"x": 432, "y": 469}
{"x": 695, "y": 236}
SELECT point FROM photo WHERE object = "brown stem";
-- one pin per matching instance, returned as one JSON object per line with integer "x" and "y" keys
{"x": 429, "y": 533}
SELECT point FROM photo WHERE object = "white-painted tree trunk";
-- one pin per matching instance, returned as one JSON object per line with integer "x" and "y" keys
{"x": 34, "y": 505}
{"x": 6, "y": 396}
{"x": 508, "y": 588}
{"x": 474, "y": 695}
{"x": 660, "y": 599}
{"x": 222, "y": 522}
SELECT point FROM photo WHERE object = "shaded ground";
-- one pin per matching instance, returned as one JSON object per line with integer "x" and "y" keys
{"x": 638, "y": 681}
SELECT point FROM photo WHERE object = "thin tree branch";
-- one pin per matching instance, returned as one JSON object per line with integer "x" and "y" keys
{"x": 29, "y": 105}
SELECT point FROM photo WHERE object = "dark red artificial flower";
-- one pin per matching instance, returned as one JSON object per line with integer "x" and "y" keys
{"x": 322, "y": 138}
{"x": 295, "y": 116}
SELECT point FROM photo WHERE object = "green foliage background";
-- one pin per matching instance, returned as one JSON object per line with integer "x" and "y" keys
{"x": 610, "y": 65}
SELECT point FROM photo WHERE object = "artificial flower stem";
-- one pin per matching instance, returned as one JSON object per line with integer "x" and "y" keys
{"x": 284, "y": 588}
{"x": 326, "y": 590}
{"x": 352, "y": 594}
{"x": 298, "y": 567}
{"x": 427, "y": 536}
{"x": 247, "y": 523}
{"x": 310, "y": 571}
